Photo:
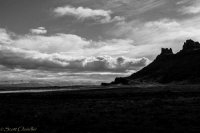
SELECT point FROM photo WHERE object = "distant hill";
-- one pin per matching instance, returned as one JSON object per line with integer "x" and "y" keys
{"x": 182, "y": 67}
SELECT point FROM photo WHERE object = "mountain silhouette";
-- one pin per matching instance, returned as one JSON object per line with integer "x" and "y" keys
{"x": 182, "y": 67}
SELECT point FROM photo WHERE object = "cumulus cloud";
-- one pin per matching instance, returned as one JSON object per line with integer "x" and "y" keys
{"x": 104, "y": 16}
{"x": 118, "y": 64}
{"x": 22, "y": 59}
{"x": 73, "y": 45}
{"x": 56, "y": 54}
{"x": 39, "y": 30}
{"x": 4, "y": 37}
{"x": 51, "y": 44}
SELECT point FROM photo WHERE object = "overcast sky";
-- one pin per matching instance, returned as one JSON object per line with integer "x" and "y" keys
{"x": 89, "y": 41}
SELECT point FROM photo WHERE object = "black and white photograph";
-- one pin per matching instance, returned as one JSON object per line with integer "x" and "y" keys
{"x": 99, "y": 66}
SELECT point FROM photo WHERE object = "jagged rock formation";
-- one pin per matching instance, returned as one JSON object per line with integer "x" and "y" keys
{"x": 165, "y": 51}
{"x": 182, "y": 67}
{"x": 190, "y": 45}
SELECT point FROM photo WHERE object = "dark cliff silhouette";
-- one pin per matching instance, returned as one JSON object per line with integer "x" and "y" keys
{"x": 182, "y": 67}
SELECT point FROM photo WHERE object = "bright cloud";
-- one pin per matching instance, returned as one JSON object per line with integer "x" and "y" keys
{"x": 4, "y": 37}
{"x": 104, "y": 16}
{"x": 23, "y": 59}
{"x": 55, "y": 53}
{"x": 39, "y": 30}
{"x": 74, "y": 45}
{"x": 51, "y": 44}
{"x": 150, "y": 36}
{"x": 189, "y": 7}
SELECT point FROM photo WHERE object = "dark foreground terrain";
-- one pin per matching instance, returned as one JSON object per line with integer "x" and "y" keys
{"x": 117, "y": 110}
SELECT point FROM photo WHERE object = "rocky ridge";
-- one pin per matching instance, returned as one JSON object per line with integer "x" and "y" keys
{"x": 182, "y": 67}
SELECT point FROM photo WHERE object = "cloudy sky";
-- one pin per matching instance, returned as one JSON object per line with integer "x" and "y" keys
{"x": 89, "y": 41}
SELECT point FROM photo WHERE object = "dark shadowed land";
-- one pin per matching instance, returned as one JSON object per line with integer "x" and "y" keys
{"x": 180, "y": 68}
{"x": 153, "y": 108}
{"x": 144, "y": 105}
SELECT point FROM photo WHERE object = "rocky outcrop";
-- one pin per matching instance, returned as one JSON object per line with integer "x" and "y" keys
{"x": 190, "y": 45}
{"x": 166, "y": 51}
{"x": 182, "y": 67}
